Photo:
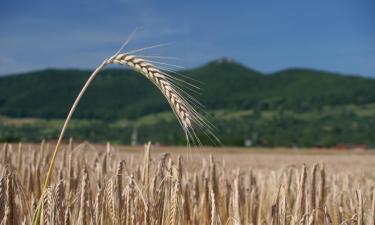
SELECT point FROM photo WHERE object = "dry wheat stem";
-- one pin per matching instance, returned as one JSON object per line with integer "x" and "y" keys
{"x": 52, "y": 162}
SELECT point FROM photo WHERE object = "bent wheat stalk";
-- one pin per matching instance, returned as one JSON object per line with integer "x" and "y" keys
{"x": 184, "y": 106}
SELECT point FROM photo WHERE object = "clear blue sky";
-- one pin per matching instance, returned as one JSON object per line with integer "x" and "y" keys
{"x": 337, "y": 35}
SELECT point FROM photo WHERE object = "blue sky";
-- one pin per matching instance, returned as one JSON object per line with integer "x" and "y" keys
{"x": 266, "y": 35}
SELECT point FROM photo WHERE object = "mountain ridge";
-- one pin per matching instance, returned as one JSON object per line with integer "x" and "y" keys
{"x": 218, "y": 61}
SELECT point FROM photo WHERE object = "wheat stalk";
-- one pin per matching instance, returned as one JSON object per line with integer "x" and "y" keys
{"x": 213, "y": 204}
{"x": 2, "y": 197}
{"x": 360, "y": 211}
{"x": 183, "y": 105}
{"x": 312, "y": 200}
{"x": 322, "y": 195}
{"x": 146, "y": 169}
{"x": 236, "y": 201}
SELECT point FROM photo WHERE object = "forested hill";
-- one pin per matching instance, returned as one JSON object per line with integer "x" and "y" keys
{"x": 120, "y": 93}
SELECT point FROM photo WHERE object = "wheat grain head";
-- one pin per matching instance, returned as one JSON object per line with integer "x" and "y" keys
{"x": 185, "y": 107}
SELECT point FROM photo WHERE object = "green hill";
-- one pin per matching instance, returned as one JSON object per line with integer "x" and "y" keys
{"x": 295, "y": 106}
{"x": 121, "y": 93}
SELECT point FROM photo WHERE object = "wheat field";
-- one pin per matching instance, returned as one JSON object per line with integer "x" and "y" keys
{"x": 106, "y": 184}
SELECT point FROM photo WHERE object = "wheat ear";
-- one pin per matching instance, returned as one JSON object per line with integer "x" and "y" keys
{"x": 183, "y": 105}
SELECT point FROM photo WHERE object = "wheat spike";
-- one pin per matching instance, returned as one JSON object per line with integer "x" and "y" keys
{"x": 85, "y": 200}
{"x": 47, "y": 207}
{"x": 10, "y": 214}
{"x": 119, "y": 187}
{"x": 175, "y": 198}
{"x": 98, "y": 206}
{"x": 185, "y": 108}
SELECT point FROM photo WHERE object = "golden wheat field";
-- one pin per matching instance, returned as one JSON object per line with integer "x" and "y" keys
{"x": 108, "y": 184}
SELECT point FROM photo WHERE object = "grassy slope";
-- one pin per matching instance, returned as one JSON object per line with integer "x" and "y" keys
{"x": 295, "y": 106}
{"x": 118, "y": 94}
